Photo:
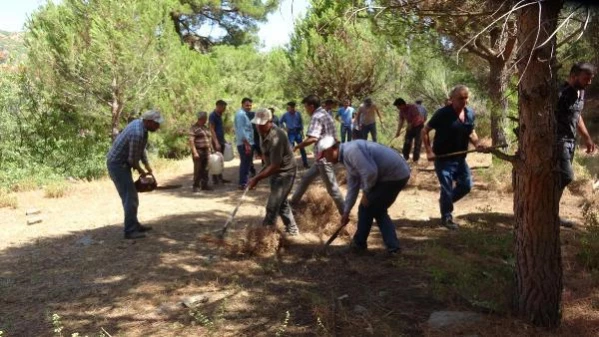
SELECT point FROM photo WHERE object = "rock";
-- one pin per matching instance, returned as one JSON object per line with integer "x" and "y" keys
{"x": 85, "y": 241}
{"x": 33, "y": 221}
{"x": 32, "y": 211}
{"x": 360, "y": 310}
{"x": 445, "y": 319}
{"x": 195, "y": 300}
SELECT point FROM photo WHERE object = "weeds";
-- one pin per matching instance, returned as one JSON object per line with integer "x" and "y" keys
{"x": 56, "y": 190}
{"x": 8, "y": 200}
{"x": 589, "y": 242}
{"x": 283, "y": 327}
{"x": 57, "y": 324}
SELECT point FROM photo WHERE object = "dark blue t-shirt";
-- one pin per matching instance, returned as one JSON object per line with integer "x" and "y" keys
{"x": 217, "y": 120}
{"x": 451, "y": 135}
{"x": 568, "y": 111}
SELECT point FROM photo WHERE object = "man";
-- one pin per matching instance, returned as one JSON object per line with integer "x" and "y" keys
{"x": 381, "y": 173}
{"x": 275, "y": 118}
{"x": 256, "y": 146}
{"x": 279, "y": 166}
{"x": 454, "y": 128}
{"x": 422, "y": 109}
{"x": 345, "y": 116}
{"x": 292, "y": 122}
{"x": 409, "y": 113}
{"x": 569, "y": 122}
{"x": 244, "y": 135}
{"x": 218, "y": 135}
{"x": 321, "y": 125}
{"x": 328, "y": 106}
{"x": 128, "y": 149}
{"x": 367, "y": 117}
{"x": 200, "y": 141}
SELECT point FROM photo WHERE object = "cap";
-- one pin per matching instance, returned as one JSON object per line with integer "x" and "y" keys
{"x": 263, "y": 116}
{"x": 324, "y": 144}
{"x": 152, "y": 115}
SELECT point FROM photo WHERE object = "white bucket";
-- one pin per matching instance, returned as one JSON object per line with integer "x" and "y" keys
{"x": 216, "y": 163}
{"x": 228, "y": 152}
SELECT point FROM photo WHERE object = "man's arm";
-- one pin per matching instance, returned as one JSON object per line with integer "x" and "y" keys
{"x": 427, "y": 142}
{"x": 215, "y": 143}
{"x": 357, "y": 118}
{"x": 399, "y": 126}
{"x": 378, "y": 112}
{"x": 475, "y": 141}
{"x": 136, "y": 152}
{"x": 194, "y": 151}
{"x": 588, "y": 141}
{"x": 353, "y": 188}
{"x": 307, "y": 142}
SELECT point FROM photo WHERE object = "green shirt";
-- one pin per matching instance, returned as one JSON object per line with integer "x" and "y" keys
{"x": 276, "y": 150}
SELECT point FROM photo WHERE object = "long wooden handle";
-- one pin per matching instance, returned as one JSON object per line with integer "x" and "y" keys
{"x": 232, "y": 216}
{"x": 335, "y": 235}
{"x": 457, "y": 153}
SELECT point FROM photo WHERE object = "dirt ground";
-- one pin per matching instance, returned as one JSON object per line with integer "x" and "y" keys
{"x": 76, "y": 264}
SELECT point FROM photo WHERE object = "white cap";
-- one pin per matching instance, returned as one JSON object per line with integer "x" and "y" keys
{"x": 263, "y": 116}
{"x": 152, "y": 115}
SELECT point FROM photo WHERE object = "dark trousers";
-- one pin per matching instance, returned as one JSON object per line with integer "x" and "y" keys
{"x": 278, "y": 205}
{"x": 380, "y": 198}
{"x": 296, "y": 138}
{"x": 448, "y": 172}
{"x": 200, "y": 168}
{"x": 244, "y": 165}
{"x": 123, "y": 181}
{"x": 357, "y": 134}
{"x": 565, "y": 157}
{"x": 412, "y": 134}
{"x": 346, "y": 133}
{"x": 369, "y": 129}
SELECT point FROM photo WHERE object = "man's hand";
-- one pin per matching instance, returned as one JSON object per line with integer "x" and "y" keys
{"x": 482, "y": 148}
{"x": 344, "y": 219}
{"x": 196, "y": 156}
{"x": 295, "y": 148}
{"x": 364, "y": 201}
{"x": 429, "y": 154}
{"x": 591, "y": 147}
{"x": 252, "y": 183}
{"x": 248, "y": 148}
{"x": 217, "y": 147}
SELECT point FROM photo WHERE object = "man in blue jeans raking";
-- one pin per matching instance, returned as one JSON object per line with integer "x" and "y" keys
{"x": 454, "y": 129}
{"x": 381, "y": 173}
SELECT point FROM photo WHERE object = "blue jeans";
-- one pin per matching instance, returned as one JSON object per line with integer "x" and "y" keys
{"x": 296, "y": 138}
{"x": 380, "y": 198}
{"x": 370, "y": 128}
{"x": 278, "y": 205}
{"x": 345, "y": 132}
{"x": 448, "y": 172}
{"x": 123, "y": 180}
{"x": 565, "y": 155}
{"x": 245, "y": 162}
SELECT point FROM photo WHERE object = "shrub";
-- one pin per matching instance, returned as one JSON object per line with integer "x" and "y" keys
{"x": 56, "y": 190}
{"x": 589, "y": 241}
{"x": 8, "y": 200}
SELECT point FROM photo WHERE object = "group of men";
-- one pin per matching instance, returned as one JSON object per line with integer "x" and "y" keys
{"x": 378, "y": 171}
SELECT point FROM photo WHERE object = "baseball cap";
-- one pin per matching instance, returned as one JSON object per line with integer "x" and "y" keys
{"x": 153, "y": 115}
{"x": 263, "y": 116}
{"x": 324, "y": 144}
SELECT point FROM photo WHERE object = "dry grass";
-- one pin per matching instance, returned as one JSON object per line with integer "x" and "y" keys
{"x": 342, "y": 177}
{"x": 262, "y": 241}
{"x": 317, "y": 213}
{"x": 57, "y": 190}
{"x": 8, "y": 200}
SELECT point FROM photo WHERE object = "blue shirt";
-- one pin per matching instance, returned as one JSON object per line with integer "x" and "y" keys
{"x": 217, "y": 120}
{"x": 129, "y": 147}
{"x": 346, "y": 115}
{"x": 243, "y": 128}
{"x": 451, "y": 134}
{"x": 368, "y": 163}
{"x": 293, "y": 122}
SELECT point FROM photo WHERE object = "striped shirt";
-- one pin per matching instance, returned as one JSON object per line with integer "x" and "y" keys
{"x": 201, "y": 136}
{"x": 129, "y": 147}
{"x": 321, "y": 125}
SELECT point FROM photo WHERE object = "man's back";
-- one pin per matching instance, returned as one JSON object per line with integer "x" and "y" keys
{"x": 133, "y": 137}
{"x": 365, "y": 155}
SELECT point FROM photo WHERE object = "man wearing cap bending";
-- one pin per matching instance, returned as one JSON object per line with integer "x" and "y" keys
{"x": 381, "y": 173}
{"x": 321, "y": 125}
{"x": 280, "y": 167}
{"x": 415, "y": 122}
{"x": 128, "y": 149}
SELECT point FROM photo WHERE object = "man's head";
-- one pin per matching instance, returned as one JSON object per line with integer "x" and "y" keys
{"x": 221, "y": 106}
{"x": 368, "y": 102}
{"x": 329, "y": 149}
{"x": 311, "y": 103}
{"x": 459, "y": 96}
{"x": 246, "y": 104}
{"x": 202, "y": 117}
{"x": 581, "y": 75}
{"x": 291, "y": 106}
{"x": 152, "y": 120}
{"x": 346, "y": 102}
{"x": 399, "y": 103}
{"x": 419, "y": 101}
{"x": 263, "y": 120}
{"x": 328, "y": 104}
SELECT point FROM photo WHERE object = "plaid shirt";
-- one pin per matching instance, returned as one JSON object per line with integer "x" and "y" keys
{"x": 201, "y": 136}
{"x": 129, "y": 147}
{"x": 321, "y": 125}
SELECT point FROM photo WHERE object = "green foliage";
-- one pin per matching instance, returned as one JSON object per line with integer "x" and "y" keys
{"x": 589, "y": 241}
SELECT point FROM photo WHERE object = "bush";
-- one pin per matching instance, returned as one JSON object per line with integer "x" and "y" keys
{"x": 8, "y": 200}
{"x": 589, "y": 241}
{"x": 56, "y": 190}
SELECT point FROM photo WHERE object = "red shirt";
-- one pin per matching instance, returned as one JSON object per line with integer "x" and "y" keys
{"x": 410, "y": 113}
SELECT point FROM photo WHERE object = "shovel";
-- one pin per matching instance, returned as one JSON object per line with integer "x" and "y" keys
{"x": 223, "y": 231}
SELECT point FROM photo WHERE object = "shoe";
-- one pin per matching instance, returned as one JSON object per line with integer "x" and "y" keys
{"x": 195, "y": 189}
{"x": 394, "y": 252}
{"x": 352, "y": 248}
{"x": 134, "y": 235}
{"x": 450, "y": 224}
{"x": 224, "y": 181}
{"x": 292, "y": 232}
{"x": 241, "y": 187}
{"x": 566, "y": 223}
{"x": 142, "y": 228}
{"x": 207, "y": 188}
{"x": 306, "y": 166}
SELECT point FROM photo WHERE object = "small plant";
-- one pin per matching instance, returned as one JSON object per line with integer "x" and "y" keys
{"x": 8, "y": 200}
{"x": 201, "y": 319}
{"x": 56, "y": 190}
{"x": 57, "y": 324}
{"x": 283, "y": 327}
{"x": 589, "y": 251}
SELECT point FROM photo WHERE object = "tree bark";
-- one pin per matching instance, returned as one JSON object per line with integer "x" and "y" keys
{"x": 536, "y": 199}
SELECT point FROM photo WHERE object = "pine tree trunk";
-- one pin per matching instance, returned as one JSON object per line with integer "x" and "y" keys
{"x": 536, "y": 200}
{"x": 498, "y": 82}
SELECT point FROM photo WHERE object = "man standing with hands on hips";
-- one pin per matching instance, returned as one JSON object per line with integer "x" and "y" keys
{"x": 244, "y": 135}
{"x": 454, "y": 129}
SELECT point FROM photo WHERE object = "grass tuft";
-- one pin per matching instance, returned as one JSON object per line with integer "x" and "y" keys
{"x": 8, "y": 200}
{"x": 56, "y": 190}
